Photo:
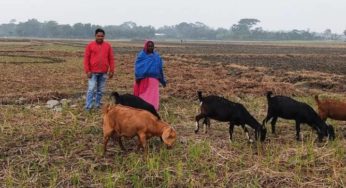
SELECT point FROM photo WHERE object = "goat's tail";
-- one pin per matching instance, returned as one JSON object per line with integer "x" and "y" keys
{"x": 317, "y": 100}
{"x": 269, "y": 94}
{"x": 200, "y": 97}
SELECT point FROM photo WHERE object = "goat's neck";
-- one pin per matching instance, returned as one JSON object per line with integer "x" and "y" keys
{"x": 161, "y": 127}
{"x": 253, "y": 123}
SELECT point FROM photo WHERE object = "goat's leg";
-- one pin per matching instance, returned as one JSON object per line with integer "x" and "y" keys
{"x": 198, "y": 117}
{"x": 114, "y": 139}
{"x": 120, "y": 143}
{"x": 265, "y": 120}
{"x": 298, "y": 130}
{"x": 139, "y": 144}
{"x": 143, "y": 142}
{"x": 258, "y": 133}
{"x": 246, "y": 133}
{"x": 206, "y": 124}
{"x": 273, "y": 122}
{"x": 106, "y": 135}
{"x": 231, "y": 127}
{"x": 105, "y": 141}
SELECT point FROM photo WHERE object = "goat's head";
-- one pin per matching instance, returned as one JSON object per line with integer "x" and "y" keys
{"x": 261, "y": 132}
{"x": 323, "y": 130}
{"x": 169, "y": 136}
{"x": 328, "y": 131}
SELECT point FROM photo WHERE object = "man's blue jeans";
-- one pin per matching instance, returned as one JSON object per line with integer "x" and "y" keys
{"x": 96, "y": 82}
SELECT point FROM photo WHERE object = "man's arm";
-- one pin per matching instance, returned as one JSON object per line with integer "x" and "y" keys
{"x": 87, "y": 61}
{"x": 111, "y": 62}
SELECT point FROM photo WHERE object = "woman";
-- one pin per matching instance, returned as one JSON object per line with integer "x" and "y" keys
{"x": 149, "y": 74}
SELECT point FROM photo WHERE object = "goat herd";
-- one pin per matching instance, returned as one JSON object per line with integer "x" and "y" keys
{"x": 131, "y": 116}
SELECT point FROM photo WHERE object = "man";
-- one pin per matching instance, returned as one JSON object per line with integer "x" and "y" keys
{"x": 98, "y": 61}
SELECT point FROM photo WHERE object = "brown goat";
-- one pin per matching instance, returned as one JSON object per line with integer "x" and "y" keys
{"x": 329, "y": 108}
{"x": 126, "y": 121}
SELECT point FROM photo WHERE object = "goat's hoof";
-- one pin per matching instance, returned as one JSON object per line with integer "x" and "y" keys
{"x": 319, "y": 139}
{"x": 250, "y": 141}
{"x": 196, "y": 132}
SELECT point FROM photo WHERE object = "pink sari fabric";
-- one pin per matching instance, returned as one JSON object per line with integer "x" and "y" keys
{"x": 148, "y": 90}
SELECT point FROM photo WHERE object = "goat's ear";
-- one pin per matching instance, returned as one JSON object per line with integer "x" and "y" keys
{"x": 167, "y": 133}
{"x": 172, "y": 133}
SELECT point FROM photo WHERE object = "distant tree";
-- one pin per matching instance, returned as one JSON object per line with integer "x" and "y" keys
{"x": 245, "y": 29}
{"x": 83, "y": 30}
{"x": 30, "y": 28}
{"x": 345, "y": 32}
{"x": 144, "y": 32}
{"x": 184, "y": 30}
{"x": 65, "y": 31}
{"x": 8, "y": 29}
{"x": 242, "y": 30}
{"x": 258, "y": 33}
{"x": 248, "y": 22}
{"x": 327, "y": 34}
{"x": 129, "y": 25}
{"x": 168, "y": 31}
{"x": 52, "y": 29}
{"x": 222, "y": 34}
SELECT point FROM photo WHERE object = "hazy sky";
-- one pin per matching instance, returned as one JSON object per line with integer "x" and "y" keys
{"x": 316, "y": 15}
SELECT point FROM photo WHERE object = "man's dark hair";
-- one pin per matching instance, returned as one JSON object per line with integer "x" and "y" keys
{"x": 100, "y": 30}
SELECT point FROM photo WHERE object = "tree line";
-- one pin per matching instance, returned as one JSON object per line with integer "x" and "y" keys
{"x": 245, "y": 29}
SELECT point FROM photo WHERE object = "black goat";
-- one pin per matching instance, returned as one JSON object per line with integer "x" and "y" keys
{"x": 133, "y": 101}
{"x": 221, "y": 109}
{"x": 288, "y": 108}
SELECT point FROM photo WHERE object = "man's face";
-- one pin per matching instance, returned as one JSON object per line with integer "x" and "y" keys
{"x": 99, "y": 37}
{"x": 150, "y": 47}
